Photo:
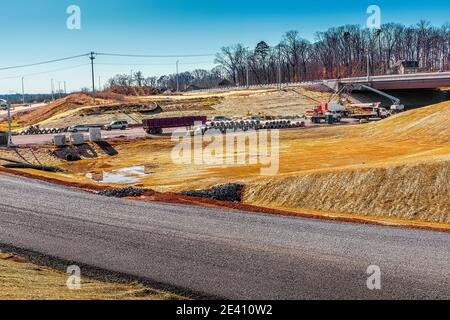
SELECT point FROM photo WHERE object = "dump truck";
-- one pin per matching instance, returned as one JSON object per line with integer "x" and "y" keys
{"x": 156, "y": 126}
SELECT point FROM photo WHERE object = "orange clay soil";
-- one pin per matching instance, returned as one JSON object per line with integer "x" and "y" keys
{"x": 169, "y": 197}
{"x": 394, "y": 170}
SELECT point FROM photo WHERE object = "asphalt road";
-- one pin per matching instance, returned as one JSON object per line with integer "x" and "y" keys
{"x": 220, "y": 253}
{"x": 4, "y": 113}
{"x": 48, "y": 138}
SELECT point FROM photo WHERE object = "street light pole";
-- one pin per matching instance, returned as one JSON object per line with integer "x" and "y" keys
{"x": 9, "y": 126}
{"x": 92, "y": 57}
{"x": 53, "y": 95}
{"x": 377, "y": 33}
{"x": 178, "y": 84}
{"x": 23, "y": 92}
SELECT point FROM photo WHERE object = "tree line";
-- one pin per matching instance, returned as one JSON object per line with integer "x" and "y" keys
{"x": 196, "y": 79}
{"x": 345, "y": 51}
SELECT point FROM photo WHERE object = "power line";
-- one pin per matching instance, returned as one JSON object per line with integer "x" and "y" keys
{"x": 106, "y": 54}
{"x": 156, "y": 56}
{"x": 45, "y": 72}
{"x": 44, "y": 62}
{"x": 152, "y": 64}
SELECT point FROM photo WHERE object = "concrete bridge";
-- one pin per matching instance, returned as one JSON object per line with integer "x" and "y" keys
{"x": 396, "y": 82}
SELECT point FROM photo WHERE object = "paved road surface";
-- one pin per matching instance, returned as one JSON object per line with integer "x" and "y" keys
{"x": 221, "y": 253}
{"x": 131, "y": 133}
{"x": 48, "y": 138}
{"x": 4, "y": 113}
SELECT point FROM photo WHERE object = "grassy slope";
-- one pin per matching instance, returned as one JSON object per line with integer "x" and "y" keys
{"x": 20, "y": 280}
{"x": 65, "y": 112}
{"x": 396, "y": 167}
{"x": 411, "y": 180}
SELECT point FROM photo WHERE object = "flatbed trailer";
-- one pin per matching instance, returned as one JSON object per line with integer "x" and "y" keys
{"x": 156, "y": 126}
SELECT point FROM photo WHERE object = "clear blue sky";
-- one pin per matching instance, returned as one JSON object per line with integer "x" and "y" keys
{"x": 35, "y": 30}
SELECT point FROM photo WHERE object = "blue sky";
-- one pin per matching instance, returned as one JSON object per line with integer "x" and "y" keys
{"x": 35, "y": 30}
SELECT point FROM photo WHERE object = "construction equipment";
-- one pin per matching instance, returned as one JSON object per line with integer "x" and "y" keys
{"x": 396, "y": 103}
{"x": 328, "y": 112}
{"x": 375, "y": 113}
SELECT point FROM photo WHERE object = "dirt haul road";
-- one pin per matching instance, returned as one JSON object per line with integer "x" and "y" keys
{"x": 228, "y": 254}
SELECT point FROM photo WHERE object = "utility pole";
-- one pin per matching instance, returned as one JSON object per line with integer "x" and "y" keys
{"x": 23, "y": 92}
{"x": 99, "y": 83}
{"x": 178, "y": 84}
{"x": 9, "y": 125}
{"x": 65, "y": 88}
{"x": 53, "y": 95}
{"x": 131, "y": 77}
{"x": 92, "y": 57}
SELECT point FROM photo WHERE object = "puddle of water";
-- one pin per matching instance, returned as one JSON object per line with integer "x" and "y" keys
{"x": 127, "y": 175}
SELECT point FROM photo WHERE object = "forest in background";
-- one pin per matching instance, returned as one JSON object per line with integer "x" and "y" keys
{"x": 344, "y": 51}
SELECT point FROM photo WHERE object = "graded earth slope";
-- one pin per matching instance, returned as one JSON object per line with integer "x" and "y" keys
{"x": 413, "y": 184}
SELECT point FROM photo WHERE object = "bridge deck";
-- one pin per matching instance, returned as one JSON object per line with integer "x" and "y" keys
{"x": 393, "y": 82}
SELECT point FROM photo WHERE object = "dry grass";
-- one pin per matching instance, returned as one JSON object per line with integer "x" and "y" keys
{"x": 397, "y": 168}
{"x": 63, "y": 113}
{"x": 20, "y": 280}
{"x": 61, "y": 105}
{"x": 293, "y": 101}
{"x": 416, "y": 192}
{"x": 133, "y": 110}
{"x": 394, "y": 168}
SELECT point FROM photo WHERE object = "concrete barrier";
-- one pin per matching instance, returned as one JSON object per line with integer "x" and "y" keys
{"x": 95, "y": 134}
{"x": 59, "y": 140}
{"x": 3, "y": 139}
{"x": 77, "y": 138}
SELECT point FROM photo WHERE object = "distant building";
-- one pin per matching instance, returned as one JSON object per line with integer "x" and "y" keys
{"x": 405, "y": 67}
{"x": 225, "y": 83}
{"x": 193, "y": 87}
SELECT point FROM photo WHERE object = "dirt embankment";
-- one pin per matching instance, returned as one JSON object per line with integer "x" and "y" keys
{"x": 288, "y": 102}
{"x": 133, "y": 110}
{"x": 80, "y": 109}
{"x": 393, "y": 168}
{"x": 415, "y": 184}
{"x": 59, "y": 106}
{"x": 419, "y": 192}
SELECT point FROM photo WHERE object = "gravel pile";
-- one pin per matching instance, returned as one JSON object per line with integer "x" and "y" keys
{"x": 122, "y": 193}
{"x": 227, "y": 192}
